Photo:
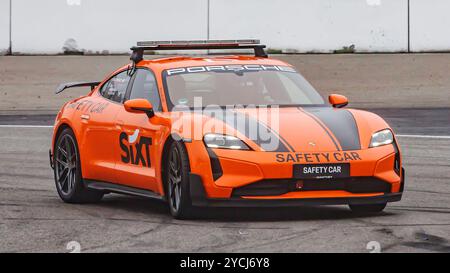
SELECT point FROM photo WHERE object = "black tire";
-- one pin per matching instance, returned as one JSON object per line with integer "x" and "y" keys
{"x": 177, "y": 182}
{"x": 373, "y": 208}
{"x": 67, "y": 171}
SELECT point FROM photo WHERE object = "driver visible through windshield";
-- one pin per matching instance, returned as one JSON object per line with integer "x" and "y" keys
{"x": 226, "y": 85}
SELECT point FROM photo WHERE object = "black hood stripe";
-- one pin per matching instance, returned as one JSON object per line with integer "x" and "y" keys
{"x": 239, "y": 119}
{"x": 335, "y": 142}
{"x": 341, "y": 123}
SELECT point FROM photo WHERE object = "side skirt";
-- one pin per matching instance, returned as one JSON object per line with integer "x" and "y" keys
{"x": 116, "y": 188}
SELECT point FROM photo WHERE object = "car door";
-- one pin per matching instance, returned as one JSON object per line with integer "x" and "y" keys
{"x": 99, "y": 138}
{"x": 138, "y": 136}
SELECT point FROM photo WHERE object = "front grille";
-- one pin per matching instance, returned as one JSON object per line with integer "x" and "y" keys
{"x": 282, "y": 186}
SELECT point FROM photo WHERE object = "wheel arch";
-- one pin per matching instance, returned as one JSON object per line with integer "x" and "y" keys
{"x": 58, "y": 131}
{"x": 164, "y": 156}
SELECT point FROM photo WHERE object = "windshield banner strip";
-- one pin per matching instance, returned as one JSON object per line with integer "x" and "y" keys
{"x": 229, "y": 68}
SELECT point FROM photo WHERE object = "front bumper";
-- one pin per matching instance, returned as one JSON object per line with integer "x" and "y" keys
{"x": 199, "y": 198}
{"x": 241, "y": 168}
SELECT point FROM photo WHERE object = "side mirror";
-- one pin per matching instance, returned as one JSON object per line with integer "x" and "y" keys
{"x": 338, "y": 101}
{"x": 139, "y": 106}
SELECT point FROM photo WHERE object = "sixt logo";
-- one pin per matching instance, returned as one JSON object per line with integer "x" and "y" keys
{"x": 135, "y": 152}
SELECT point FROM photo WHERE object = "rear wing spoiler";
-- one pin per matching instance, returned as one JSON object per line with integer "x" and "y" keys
{"x": 64, "y": 86}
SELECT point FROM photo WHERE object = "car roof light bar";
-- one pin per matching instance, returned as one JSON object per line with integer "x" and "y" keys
{"x": 197, "y": 42}
{"x": 142, "y": 46}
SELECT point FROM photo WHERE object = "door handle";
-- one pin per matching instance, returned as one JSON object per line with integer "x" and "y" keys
{"x": 85, "y": 117}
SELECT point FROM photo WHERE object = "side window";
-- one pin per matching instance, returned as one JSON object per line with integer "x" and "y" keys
{"x": 116, "y": 87}
{"x": 144, "y": 87}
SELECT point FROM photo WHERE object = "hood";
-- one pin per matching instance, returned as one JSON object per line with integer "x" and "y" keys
{"x": 309, "y": 129}
{"x": 292, "y": 129}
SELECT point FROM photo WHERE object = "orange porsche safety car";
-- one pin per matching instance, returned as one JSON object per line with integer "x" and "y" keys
{"x": 221, "y": 131}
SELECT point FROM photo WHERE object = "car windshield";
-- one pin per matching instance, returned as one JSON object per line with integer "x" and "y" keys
{"x": 245, "y": 85}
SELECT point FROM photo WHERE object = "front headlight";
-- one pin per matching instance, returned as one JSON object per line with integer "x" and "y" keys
{"x": 380, "y": 138}
{"x": 224, "y": 142}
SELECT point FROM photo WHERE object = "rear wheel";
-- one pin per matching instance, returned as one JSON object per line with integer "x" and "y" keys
{"x": 177, "y": 177}
{"x": 373, "y": 208}
{"x": 67, "y": 171}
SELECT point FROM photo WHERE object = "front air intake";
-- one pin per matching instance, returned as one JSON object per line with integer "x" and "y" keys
{"x": 276, "y": 187}
{"x": 216, "y": 168}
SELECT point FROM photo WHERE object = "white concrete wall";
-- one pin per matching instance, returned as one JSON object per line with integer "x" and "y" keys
{"x": 112, "y": 26}
{"x": 316, "y": 26}
{"x": 430, "y": 25}
{"x": 4, "y": 26}
{"x": 97, "y": 25}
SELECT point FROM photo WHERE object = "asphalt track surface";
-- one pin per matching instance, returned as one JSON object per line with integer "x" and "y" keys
{"x": 34, "y": 219}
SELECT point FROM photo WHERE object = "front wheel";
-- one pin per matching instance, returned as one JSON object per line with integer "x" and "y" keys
{"x": 177, "y": 185}
{"x": 368, "y": 208}
{"x": 68, "y": 179}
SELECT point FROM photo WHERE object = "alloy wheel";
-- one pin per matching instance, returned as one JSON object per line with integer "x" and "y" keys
{"x": 66, "y": 161}
{"x": 174, "y": 179}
